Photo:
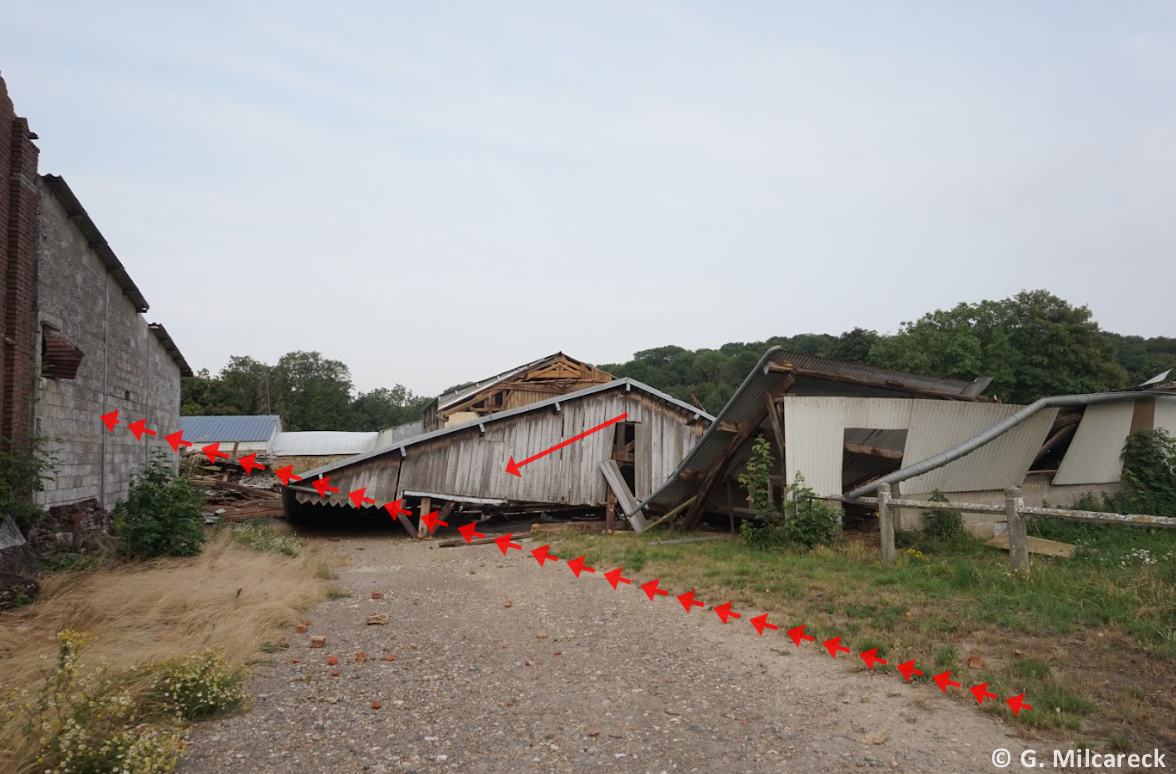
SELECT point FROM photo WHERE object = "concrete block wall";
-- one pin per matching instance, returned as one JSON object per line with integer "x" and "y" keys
{"x": 18, "y": 224}
{"x": 124, "y": 367}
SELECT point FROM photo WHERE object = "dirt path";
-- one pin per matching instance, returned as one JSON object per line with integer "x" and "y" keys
{"x": 616, "y": 682}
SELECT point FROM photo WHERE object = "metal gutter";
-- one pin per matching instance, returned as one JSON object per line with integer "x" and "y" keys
{"x": 997, "y": 430}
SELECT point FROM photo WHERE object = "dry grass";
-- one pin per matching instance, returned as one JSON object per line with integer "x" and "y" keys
{"x": 231, "y": 598}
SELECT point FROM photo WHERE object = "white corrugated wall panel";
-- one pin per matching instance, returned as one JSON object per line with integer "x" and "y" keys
{"x": 1095, "y": 454}
{"x": 814, "y": 442}
{"x": 878, "y": 413}
{"x": 1166, "y": 413}
{"x": 937, "y": 426}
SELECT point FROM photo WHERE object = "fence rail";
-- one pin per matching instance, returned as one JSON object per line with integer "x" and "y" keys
{"x": 1015, "y": 512}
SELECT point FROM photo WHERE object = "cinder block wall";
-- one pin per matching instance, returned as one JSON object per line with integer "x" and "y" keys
{"x": 18, "y": 224}
{"x": 124, "y": 367}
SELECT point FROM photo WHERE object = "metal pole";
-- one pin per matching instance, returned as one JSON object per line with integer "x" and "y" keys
{"x": 886, "y": 523}
{"x": 1018, "y": 539}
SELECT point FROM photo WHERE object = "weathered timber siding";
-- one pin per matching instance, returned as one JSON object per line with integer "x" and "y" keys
{"x": 468, "y": 462}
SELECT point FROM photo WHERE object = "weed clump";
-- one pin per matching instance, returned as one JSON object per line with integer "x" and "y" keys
{"x": 161, "y": 517}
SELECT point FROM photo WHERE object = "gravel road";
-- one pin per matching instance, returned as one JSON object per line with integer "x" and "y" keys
{"x": 503, "y": 666}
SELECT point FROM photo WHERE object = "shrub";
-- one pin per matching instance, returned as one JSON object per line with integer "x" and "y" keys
{"x": 201, "y": 685}
{"x": 162, "y": 515}
{"x": 23, "y": 472}
{"x": 84, "y": 725}
{"x": 1149, "y": 473}
{"x": 942, "y": 523}
{"x": 805, "y": 521}
{"x": 809, "y": 522}
{"x": 263, "y": 537}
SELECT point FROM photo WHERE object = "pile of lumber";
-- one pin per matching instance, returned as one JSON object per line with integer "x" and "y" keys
{"x": 232, "y": 501}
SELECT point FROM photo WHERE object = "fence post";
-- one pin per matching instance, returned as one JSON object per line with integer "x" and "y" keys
{"x": 1018, "y": 539}
{"x": 886, "y": 522}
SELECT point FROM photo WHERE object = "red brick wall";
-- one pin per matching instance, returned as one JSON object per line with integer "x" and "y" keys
{"x": 18, "y": 229}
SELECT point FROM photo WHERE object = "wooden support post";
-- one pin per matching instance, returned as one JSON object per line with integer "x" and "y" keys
{"x": 777, "y": 430}
{"x": 886, "y": 522}
{"x": 610, "y": 509}
{"x": 1018, "y": 539}
{"x": 422, "y": 528}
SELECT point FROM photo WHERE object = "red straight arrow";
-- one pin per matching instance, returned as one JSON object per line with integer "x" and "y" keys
{"x": 431, "y": 520}
{"x": 614, "y": 577}
{"x": 396, "y": 511}
{"x": 176, "y": 440}
{"x": 249, "y": 462}
{"x": 542, "y": 556}
{"x": 871, "y": 657}
{"x": 577, "y": 565}
{"x": 834, "y": 646}
{"x": 323, "y": 485}
{"x": 688, "y": 600}
{"x": 285, "y": 475}
{"x": 213, "y": 451}
{"x": 797, "y": 634}
{"x": 981, "y": 693}
{"x": 358, "y": 498}
{"x": 907, "y": 668}
{"x": 469, "y": 531}
{"x": 504, "y": 543}
{"x": 110, "y": 420}
{"x": 760, "y": 622}
{"x": 943, "y": 679}
{"x": 1018, "y": 703}
{"x": 512, "y": 467}
{"x": 139, "y": 428}
{"x": 651, "y": 588}
{"x": 724, "y": 611}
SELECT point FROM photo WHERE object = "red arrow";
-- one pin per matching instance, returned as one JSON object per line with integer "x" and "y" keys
{"x": 981, "y": 693}
{"x": 944, "y": 679}
{"x": 213, "y": 451}
{"x": 614, "y": 577}
{"x": 110, "y": 420}
{"x": 358, "y": 498}
{"x": 431, "y": 520}
{"x": 760, "y": 622}
{"x": 395, "y": 510}
{"x": 176, "y": 440}
{"x": 724, "y": 612}
{"x": 688, "y": 600}
{"x": 512, "y": 467}
{"x": 504, "y": 543}
{"x": 322, "y": 486}
{"x": 285, "y": 475}
{"x": 834, "y": 646}
{"x": 542, "y": 556}
{"x": 577, "y": 564}
{"x": 1018, "y": 703}
{"x": 797, "y": 634}
{"x": 871, "y": 657}
{"x": 651, "y": 588}
{"x": 249, "y": 462}
{"x": 907, "y": 668}
{"x": 140, "y": 427}
{"x": 468, "y": 531}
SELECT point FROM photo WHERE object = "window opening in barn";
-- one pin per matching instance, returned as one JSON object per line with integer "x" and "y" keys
{"x": 60, "y": 359}
{"x": 624, "y": 452}
{"x": 497, "y": 399}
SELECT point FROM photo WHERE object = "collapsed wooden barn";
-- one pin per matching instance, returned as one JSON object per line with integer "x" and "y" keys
{"x": 462, "y": 469}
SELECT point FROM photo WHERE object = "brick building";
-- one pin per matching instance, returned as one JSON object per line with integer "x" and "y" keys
{"x": 76, "y": 344}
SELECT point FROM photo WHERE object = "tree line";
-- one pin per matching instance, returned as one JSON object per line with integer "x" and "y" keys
{"x": 1033, "y": 344}
{"x": 307, "y": 390}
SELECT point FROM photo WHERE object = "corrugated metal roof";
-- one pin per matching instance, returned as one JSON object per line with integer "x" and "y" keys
{"x": 812, "y": 376}
{"x": 618, "y": 384}
{"x": 399, "y": 433}
{"x": 1095, "y": 455}
{"x": 215, "y": 429}
{"x": 317, "y": 443}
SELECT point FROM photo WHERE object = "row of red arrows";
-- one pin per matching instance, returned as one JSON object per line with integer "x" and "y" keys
{"x": 469, "y": 532}
{"x": 725, "y": 613}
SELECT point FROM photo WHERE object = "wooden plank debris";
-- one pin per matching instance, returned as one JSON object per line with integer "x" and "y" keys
{"x": 616, "y": 483}
{"x": 1037, "y": 546}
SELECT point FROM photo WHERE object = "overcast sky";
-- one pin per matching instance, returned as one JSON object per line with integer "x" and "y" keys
{"x": 435, "y": 192}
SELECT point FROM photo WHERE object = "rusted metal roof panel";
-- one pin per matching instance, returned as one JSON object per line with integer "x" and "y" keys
{"x": 1095, "y": 454}
{"x": 60, "y": 359}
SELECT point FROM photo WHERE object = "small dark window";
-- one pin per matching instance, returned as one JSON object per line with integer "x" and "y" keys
{"x": 60, "y": 359}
